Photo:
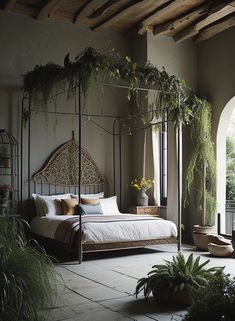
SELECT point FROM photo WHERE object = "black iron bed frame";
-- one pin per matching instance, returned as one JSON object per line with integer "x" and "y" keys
{"x": 115, "y": 133}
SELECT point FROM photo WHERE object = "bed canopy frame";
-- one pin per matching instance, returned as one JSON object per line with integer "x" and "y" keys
{"x": 44, "y": 173}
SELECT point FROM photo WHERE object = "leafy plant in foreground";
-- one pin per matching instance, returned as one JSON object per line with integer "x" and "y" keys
{"x": 176, "y": 276}
{"x": 215, "y": 301}
{"x": 27, "y": 277}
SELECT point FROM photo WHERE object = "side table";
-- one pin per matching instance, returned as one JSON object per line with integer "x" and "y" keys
{"x": 144, "y": 210}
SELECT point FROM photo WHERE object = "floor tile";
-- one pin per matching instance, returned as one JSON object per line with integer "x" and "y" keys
{"x": 102, "y": 288}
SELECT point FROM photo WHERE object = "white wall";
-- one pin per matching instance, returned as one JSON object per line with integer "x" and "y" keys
{"x": 179, "y": 60}
{"x": 217, "y": 82}
{"x": 26, "y": 42}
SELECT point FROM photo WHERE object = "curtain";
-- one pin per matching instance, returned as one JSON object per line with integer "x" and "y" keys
{"x": 156, "y": 164}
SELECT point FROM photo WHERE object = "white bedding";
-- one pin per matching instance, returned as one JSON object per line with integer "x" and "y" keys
{"x": 108, "y": 232}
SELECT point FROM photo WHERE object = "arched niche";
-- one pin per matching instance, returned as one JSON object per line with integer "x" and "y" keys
{"x": 221, "y": 159}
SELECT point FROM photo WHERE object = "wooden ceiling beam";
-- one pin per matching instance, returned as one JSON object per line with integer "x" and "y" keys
{"x": 216, "y": 28}
{"x": 50, "y": 7}
{"x": 216, "y": 13}
{"x": 9, "y": 4}
{"x": 160, "y": 13}
{"x": 32, "y": 11}
{"x": 180, "y": 21}
{"x": 137, "y": 4}
{"x": 89, "y": 8}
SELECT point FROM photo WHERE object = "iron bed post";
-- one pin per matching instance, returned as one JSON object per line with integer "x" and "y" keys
{"x": 29, "y": 155}
{"x": 179, "y": 156}
{"x": 118, "y": 119}
{"x": 120, "y": 162}
{"x": 79, "y": 171}
{"x": 114, "y": 158}
{"x": 21, "y": 154}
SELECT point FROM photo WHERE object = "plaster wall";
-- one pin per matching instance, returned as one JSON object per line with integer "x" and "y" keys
{"x": 217, "y": 81}
{"x": 179, "y": 60}
{"x": 25, "y": 43}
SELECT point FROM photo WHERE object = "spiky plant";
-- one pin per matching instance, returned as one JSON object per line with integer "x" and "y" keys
{"x": 176, "y": 275}
{"x": 27, "y": 277}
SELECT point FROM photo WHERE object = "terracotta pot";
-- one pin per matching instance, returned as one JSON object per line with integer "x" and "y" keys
{"x": 167, "y": 296}
{"x": 199, "y": 236}
{"x": 220, "y": 250}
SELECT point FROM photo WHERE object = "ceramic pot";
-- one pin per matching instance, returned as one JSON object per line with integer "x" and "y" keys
{"x": 199, "y": 236}
{"x": 142, "y": 198}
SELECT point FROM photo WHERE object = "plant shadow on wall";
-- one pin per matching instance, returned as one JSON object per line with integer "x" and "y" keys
{"x": 27, "y": 276}
{"x": 172, "y": 98}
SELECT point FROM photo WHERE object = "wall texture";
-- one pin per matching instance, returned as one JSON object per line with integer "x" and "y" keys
{"x": 25, "y": 43}
{"x": 217, "y": 81}
{"x": 179, "y": 60}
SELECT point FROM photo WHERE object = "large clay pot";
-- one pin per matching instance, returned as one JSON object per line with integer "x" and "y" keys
{"x": 142, "y": 198}
{"x": 199, "y": 236}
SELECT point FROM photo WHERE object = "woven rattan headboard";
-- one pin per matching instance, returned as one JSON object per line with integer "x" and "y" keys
{"x": 62, "y": 168}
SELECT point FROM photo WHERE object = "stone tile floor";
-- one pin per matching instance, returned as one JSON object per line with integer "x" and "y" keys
{"x": 102, "y": 287}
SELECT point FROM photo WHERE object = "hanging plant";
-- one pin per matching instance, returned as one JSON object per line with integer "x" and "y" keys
{"x": 201, "y": 169}
{"x": 41, "y": 82}
{"x": 90, "y": 64}
{"x": 173, "y": 98}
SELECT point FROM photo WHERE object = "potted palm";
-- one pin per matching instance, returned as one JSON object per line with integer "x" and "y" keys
{"x": 200, "y": 183}
{"x": 176, "y": 280}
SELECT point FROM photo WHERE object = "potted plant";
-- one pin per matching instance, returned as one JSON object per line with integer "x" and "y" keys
{"x": 142, "y": 186}
{"x": 27, "y": 277}
{"x": 200, "y": 183}
{"x": 215, "y": 301}
{"x": 175, "y": 280}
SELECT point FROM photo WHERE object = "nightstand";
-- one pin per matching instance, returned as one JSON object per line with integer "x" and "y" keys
{"x": 145, "y": 210}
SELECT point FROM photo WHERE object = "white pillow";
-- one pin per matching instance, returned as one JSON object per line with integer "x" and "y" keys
{"x": 49, "y": 205}
{"x": 90, "y": 196}
{"x": 109, "y": 205}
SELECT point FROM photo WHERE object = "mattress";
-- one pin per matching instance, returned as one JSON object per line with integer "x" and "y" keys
{"x": 131, "y": 228}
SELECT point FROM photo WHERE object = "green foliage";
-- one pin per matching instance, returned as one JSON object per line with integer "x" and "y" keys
{"x": 203, "y": 154}
{"x": 90, "y": 66}
{"x": 27, "y": 278}
{"x": 215, "y": 301}
{"x": 176, "y": 275}
{"x": 172, "y": 98}
{"x": 230, "y": 169}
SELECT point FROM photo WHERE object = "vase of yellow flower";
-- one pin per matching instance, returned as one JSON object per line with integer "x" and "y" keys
{"x": 142, "y": 186}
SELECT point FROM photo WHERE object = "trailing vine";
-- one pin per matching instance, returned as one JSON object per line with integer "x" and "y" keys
{"x": 203, "y": 154}
{"x": 173, "y": 98}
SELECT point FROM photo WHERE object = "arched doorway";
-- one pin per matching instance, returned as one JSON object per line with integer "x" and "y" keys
{"x": 225, "y": 118}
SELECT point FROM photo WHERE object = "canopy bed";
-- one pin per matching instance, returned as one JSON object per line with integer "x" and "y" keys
{"x": 78, "y": 170}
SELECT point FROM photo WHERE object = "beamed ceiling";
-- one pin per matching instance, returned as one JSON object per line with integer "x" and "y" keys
{"x": 181, "y": 19}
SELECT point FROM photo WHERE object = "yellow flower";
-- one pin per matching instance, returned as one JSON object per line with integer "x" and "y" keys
{"x": 143, "y": 184}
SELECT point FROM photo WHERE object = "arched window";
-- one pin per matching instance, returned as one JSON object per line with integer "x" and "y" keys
{"x": 225, "y": 206}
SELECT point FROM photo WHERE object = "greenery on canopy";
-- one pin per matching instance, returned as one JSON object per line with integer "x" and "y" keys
{"x": 173, "y": 97}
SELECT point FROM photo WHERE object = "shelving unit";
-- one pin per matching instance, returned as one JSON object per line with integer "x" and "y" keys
{"x": 9, "y": 174}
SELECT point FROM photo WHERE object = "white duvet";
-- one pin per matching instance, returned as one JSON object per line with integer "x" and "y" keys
{"x": 109, "y": 232}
